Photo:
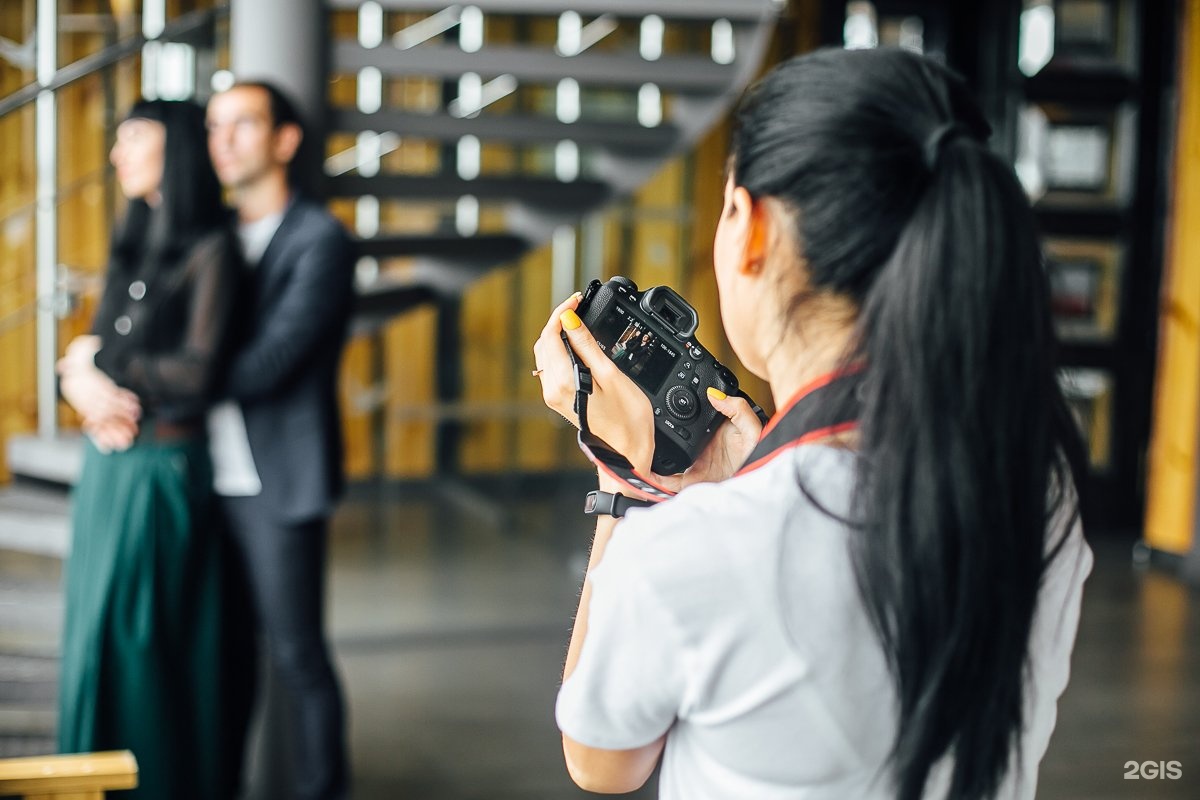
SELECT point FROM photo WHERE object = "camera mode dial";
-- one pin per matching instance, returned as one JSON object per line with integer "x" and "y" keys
{"x": 681, "y": 402}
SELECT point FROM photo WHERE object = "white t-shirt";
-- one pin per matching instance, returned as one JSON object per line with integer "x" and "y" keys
{"x": 234, "y": 471}
{"x": 730, "y": 619}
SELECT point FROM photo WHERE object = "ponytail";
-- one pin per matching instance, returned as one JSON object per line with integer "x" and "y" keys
{"x": 964, "y": 432}
{"x": 960, "y": 435}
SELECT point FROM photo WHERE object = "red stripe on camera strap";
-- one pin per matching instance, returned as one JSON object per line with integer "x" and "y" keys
{"x": 825, "y": 407}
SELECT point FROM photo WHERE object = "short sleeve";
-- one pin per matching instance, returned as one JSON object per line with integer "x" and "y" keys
{"x": 628, "y": 684}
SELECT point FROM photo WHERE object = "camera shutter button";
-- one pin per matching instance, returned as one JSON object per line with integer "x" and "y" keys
{"x": 681, "y": 402}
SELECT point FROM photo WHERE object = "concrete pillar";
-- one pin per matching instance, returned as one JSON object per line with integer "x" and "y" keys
{"x": 287, "y": 43}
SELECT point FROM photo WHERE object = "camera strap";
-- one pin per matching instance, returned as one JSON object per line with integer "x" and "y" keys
{"x": 826, "y": 407}
{"x": 599, "y": 452}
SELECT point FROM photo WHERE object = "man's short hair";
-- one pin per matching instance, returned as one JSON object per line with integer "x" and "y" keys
{"x": 283, "y": 110}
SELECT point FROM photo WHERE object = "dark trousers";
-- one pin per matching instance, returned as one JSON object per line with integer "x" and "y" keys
{"x": 284, "y": 570}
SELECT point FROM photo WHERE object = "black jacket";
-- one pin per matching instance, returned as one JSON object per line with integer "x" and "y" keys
{"x": 284, "y": 371}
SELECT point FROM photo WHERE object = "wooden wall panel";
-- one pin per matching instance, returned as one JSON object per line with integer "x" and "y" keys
{"x": 543, "y": 443}
{"x": 708, "y": 171}
{"x": 409, "y": 355}
{"x": 356, "y": 382}
{"x": 489, "y": 372}
{"x": 18, "y": 408}
{"x": 1172, "y": 483}
{"x": 85, "y": 196}
{"x": 656, "y": 233}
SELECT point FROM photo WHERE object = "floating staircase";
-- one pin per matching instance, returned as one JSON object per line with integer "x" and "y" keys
{"x": 628, "y": 85}
{"x": 669, "y": 98}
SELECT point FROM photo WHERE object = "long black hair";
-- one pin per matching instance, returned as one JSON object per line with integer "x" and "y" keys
{"x": 966, "y": 443}
{"x": 191, "y": 195}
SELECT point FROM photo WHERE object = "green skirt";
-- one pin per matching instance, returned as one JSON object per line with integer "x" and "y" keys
{"x": 141, "y": 661}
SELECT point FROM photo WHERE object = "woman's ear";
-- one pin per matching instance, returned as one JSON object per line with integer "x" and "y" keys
{"x": 758, "y": 232}
{"x": 740, "y": 244}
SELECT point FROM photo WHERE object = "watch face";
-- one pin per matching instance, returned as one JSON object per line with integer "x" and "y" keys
{"x": 589, "y": 504}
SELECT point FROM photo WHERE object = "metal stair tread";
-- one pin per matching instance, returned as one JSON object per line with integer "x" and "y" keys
{"x": 389, "y": 300}
{"x": 682, "y": 73}
{"x": 510, "y": 128}
{"x": 733, "y": 10}
{"x": 34, "y": 520}
{"x": 488, "y": 247}
{"x": 34, "y": 499}
{"x": 533, "y": 190}
{"x": 55, "y": 460}
{"x": 24, "y": 721}
{"x": 28, "y": 531}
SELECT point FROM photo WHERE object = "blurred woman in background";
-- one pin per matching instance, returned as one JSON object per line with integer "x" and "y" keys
{"x": 141, "y": 664}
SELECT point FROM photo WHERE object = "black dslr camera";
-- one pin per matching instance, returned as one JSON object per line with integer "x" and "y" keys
{"x": 651, "y": 337}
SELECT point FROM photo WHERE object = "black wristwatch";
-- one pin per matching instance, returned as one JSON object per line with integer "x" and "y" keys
{"x": 599, "y": 503}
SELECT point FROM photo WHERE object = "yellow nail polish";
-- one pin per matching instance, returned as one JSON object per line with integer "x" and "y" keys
{"x": 570, "y": 320}
{"x": 716, "y": 394}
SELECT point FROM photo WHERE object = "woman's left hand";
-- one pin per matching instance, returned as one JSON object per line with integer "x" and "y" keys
{"x": 729, "y": 448}
{"x": 619, "y": 413}
{"x": 111, "y": 433}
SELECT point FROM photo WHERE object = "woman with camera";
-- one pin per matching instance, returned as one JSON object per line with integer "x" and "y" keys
{"x": 877, "y": 610}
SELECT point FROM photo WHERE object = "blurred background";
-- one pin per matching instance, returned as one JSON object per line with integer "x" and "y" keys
{"x": 492, "y": 157}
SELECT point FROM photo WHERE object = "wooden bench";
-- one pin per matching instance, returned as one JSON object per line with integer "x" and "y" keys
{"x": 86, "y": 776}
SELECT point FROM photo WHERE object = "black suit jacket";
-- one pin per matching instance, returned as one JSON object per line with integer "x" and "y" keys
{"x": 284, "y": 370}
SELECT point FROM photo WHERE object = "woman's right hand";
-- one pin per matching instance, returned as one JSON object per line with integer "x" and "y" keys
{"x": 618, "y": 411}
{"x": 94, "y": 395}
{"x": 110, "y": 414}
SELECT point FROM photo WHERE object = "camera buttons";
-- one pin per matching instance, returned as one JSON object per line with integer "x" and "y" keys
{"x": 696, "y": 352}
{"x": 681, "y": 402}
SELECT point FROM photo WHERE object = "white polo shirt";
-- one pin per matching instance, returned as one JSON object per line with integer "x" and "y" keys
{"x": 729, "y": 618}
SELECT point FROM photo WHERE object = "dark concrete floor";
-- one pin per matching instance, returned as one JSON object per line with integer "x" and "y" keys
{"x": 450, "y": 610}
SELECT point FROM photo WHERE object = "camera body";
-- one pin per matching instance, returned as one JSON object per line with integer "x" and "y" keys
{"x": 651, "y": 337}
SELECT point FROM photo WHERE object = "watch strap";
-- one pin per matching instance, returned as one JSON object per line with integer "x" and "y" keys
{"x": 598, "y": 503}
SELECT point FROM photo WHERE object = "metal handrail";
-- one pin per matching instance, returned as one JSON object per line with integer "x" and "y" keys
{"x": 64, "y": 192}
{"x": 73, "y": 283}
{"x": 176, "y": 29}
